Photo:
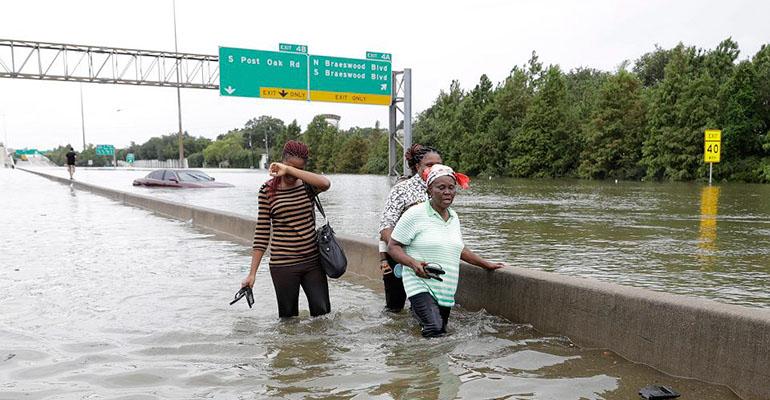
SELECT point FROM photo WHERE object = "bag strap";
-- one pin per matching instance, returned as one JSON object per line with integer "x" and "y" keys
{"x": 314, "y": 199}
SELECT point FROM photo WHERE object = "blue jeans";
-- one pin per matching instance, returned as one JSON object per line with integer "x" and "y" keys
{"x": 431, "y": 316}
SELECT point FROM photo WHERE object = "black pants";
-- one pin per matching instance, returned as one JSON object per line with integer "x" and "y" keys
{"x": 395, "y": 296}
{"x": 432, "y": 317}
{"x": 287, "y": 280}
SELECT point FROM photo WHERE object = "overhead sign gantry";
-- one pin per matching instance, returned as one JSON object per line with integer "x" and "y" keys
{"x": 293, "y": 74}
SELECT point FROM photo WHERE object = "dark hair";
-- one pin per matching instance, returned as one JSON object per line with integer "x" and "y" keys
{"x": 416, "y": 153}
{"x": 292, "y": 148}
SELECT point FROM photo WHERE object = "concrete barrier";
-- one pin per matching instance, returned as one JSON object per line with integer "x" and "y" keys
{"x": 679, "y": 335}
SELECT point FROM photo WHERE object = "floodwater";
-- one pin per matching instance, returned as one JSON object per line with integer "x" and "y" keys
{"x": 100, "y": 300}
{"x": 684, "y": 238}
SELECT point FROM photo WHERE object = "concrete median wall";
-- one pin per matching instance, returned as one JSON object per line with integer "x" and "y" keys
{"x": 678, "y": 335}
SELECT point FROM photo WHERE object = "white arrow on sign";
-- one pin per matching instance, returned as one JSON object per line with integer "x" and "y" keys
{"x": 229, "y": 90}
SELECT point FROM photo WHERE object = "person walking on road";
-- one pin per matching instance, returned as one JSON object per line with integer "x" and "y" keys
{"x": 71, "y": 158}
{"x": 286, "y": 224}
{"x": 428, "y": 243}
{"x": 402, "y": 196}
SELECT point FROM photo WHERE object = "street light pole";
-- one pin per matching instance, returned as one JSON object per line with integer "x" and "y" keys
{"x": 251, "y": 147}
{"x": 5, "y": 131}
{"x": 267, "y": 151}
{"x": 178, "y": 95}
{"x": 82, "y": 118}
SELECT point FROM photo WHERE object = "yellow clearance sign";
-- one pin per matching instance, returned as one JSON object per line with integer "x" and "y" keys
{"x": 712, "y": 147}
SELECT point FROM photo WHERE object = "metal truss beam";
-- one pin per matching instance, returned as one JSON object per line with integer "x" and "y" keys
{"x": 109, "y": 65}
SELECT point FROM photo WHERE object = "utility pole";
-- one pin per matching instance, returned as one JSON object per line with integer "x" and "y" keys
{"x": 251, "y": 147}
{"x": 82, "y": 118}
{"x": 267, "y": 152}
{"x": 178, "y": 95}
{"x": 5, "y": 131}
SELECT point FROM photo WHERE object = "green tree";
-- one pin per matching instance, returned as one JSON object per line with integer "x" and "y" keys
{"x": 352, "y": 154}
{"x": 58, "y": 155}
{"x": 227, "y": 152}
{"x": 377, "y": 157}
{"x": 546, "y": 145}
{"x": 292, "y": 132}
{"x": 477, "y": 111}
{"x": 313, "y": 137}
{"x": 256, "y": 131}
{"x": 650, "y": 67}
{"x": 616, "y": 131}
{"x": 439, "y": 126}
{"x": 683, "y": 107}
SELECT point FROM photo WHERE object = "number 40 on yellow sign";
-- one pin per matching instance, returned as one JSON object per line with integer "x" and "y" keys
{"x": 712, "y": 147}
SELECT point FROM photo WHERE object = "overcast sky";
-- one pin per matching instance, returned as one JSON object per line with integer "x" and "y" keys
{"x": 439, "y": 40}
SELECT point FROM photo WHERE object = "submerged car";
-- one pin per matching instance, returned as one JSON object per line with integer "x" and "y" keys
{"x": 181, "y": 178}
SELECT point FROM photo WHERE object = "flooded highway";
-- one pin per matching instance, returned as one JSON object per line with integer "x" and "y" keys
{"x": 101, "y": 300}
{"x": 683, "y": 238}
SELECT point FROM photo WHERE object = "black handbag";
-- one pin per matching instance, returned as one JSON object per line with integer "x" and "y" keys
{"x": 333, "y": 259}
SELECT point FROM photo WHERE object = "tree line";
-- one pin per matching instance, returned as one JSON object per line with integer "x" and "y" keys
{"x": 641, "y": 121}
{"x": 354, "y": 150}
{"x": 644, "y": 120}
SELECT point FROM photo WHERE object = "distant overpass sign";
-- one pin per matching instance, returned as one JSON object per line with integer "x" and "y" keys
{"x": 293, "y": 74}
{"x": 105, "y": 150}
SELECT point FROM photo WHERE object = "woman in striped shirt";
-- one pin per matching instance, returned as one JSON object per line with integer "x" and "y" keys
{"x": 286, "y": 224}
{"x": 427, "y": 238}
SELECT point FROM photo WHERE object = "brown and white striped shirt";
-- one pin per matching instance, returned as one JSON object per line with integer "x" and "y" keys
{"x": 289, "y": 219}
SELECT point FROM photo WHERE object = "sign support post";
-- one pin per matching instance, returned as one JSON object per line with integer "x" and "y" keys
{"x": 402, "y": 93}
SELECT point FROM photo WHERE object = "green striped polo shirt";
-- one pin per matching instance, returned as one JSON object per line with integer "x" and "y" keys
{"x": 427, "y": 237}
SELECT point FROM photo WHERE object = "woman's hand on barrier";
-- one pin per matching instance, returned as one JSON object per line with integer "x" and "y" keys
{"x": 419, "y": 268}
{"x": 491, "y": 266}
{"x": 249, "y": 281}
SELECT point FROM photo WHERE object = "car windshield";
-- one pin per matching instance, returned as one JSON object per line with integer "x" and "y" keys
{"x": 156, "y": 175}
{"x": 194, "y": 176}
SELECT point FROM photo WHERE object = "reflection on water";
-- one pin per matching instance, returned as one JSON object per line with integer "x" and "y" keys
{"x": 653, "y": 235}
{"x": 709, "y": 200}
{"x": 105, "y": 301}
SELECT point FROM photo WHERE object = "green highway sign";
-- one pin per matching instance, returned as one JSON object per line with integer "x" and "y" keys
{"x": 349, "y": 80}
{"x": 296, "y": 48}
{"x": 292, "y": 74}
{"x": 373, "y": 55}
{"x": 27, "y": 152}
{"x": 260, "y": 73}
{"x": 105, "y": 150}
{"x": 130, "y": 158}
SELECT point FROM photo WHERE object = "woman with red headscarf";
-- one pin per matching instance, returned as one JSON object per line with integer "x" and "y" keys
{"x": 286, "y": 224}
{"x": 428, "y": 243}
{"x": 403, "y": 195}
